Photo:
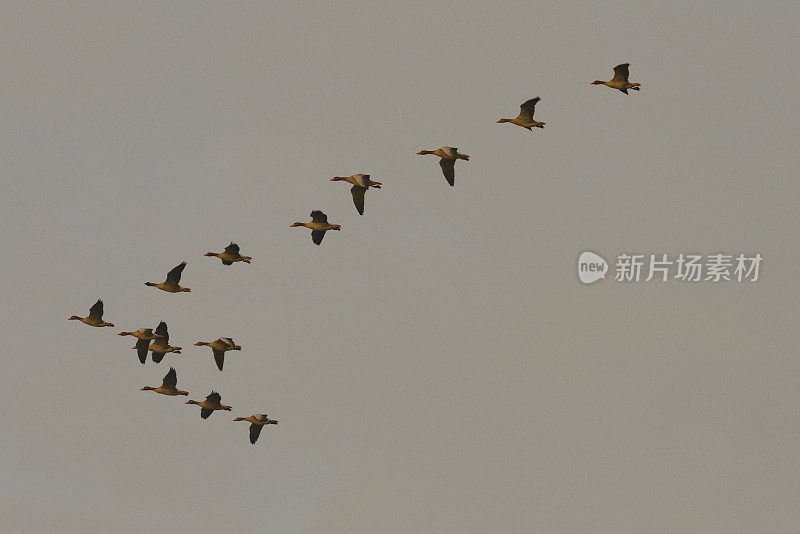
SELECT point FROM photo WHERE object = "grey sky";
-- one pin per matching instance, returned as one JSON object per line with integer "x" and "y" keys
{"x": 435, "y": 366}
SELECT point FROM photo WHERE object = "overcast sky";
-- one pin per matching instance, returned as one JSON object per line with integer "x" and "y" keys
{"x": 436, "y": 366}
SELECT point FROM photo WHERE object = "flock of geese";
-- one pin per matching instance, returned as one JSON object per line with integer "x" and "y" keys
{"x": 157, "y": 341}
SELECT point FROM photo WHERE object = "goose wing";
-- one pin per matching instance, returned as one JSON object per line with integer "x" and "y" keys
{"x": 527, "y": 108}
{"x": 96, "y": 311}
{"x": 317, "y": 235}
{"x": 232, "y": 249}
{"x": 170, "y": 379}
{"x": 205, "y": 412}
{"x": 449, "y": 169}
{"x": 318, "y": 216}
{"x": 219, "y": 357}
{"x": 361, "y": 179}
{"x": 358, "y": 197}
{"x": 621, "y": 72}
{"x": 161, "y": 330}
{"x": 214, "y": 398}
{"x": 255, "y": 431}
{"x": 174, "y": 276}
{"x": 141, "y": 349}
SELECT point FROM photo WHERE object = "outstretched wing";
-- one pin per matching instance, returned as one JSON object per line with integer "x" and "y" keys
{"x": 174, "y": 276}
{"x": 318, "y": 216}
{"x": 158, "y": 356}
{"x": 96, "y": 311}
{"x": 449, "y": 169}
{"x": 621, "y": 72}
{"x": 219, "y": 357}
{"x": 317, "y": 235}
{"x": 358, "y": 197}
{"x": 232, "y": 249}
{"x": 161, "y": 330}
{"x": 527, "y": 108}
{"x": 255, "y": 431}
{"x": 141, "y": 349}
{"x": 170, "y": 379}
{"x": 205, "y": 412}
{"x": 214, "y": 398}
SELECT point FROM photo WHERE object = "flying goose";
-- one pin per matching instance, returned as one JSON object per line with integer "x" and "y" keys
{"x": 258, "y": 421}
{"x": 319, "y": 225}
{"x": 449, "y": 156}
{"x": 160, "y": 346}
{"x": 211, "y": 403}
{"x": 230, "y": 255}
{"x": 145, "y": 336}
{"x": 361, "y": 183}
{"x": 168, "y": 386}
{"x": 95, "y": 317}
{"x": 525, "y": 117}
{"x": 172, "y": 283}
{"x": 620, "y": 80}
{"x": 219, "y": 347}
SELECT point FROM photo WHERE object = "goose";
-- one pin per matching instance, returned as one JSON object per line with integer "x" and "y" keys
{"x": 211, "y": 403}
{"x": 525, "y": 117}
{"x": 219, "y": 347}
{"x": 168, "y": 386}
{"x": 230, "y": 255}
{"x": 172, "y": 283}
{"x": 620, "y": 80}
{"x": 160, "y": 346}
{"x": 319, "y": 225}
{"x": 361, "y": 183}
{"x": 145, "y": 336}
{"x": 258, "y": 420}
{"x": 449, "y": 156}
{"x": 95, "y": 317}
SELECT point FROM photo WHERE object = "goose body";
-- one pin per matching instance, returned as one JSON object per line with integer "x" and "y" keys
{"x": 208, "y": 406}
{"x": 169, "y": 386}
{"x": 95, "y": 317}
{"x": 172, "y": 283}
{"x": 319, "y": 225}
{"x": 620, "y": 80}
{"x": 257, "y": 422}
{"x": 525, "y": 117}
{"x": 219, "y": 347}
{"x": 144, "y": 337}
{"x": 448, "y": 156}
{"x": 361, "y": 182}
{"x": 230, "y": 255}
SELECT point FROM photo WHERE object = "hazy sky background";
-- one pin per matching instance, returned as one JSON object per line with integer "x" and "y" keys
{"x": 436, "y": 366}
